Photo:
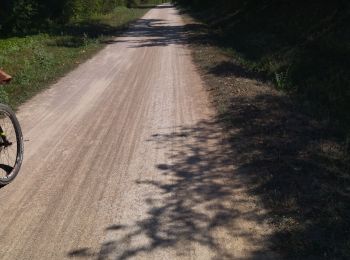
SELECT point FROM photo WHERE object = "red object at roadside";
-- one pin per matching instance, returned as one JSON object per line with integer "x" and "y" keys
{"x": 4, "y": 77}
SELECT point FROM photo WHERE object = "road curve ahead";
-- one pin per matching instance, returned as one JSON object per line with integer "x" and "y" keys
{"x": 124, "y": 160}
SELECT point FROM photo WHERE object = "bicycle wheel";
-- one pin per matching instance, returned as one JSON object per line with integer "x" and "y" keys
{"x": 11, "y": 145}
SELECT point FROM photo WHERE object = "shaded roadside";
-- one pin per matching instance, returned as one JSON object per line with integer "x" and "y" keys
{"x": 302, "y": 46}
{"x": 294, "y": 163}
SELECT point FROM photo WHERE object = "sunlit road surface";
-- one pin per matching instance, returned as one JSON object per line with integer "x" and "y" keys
{"x": 124, "y": 160}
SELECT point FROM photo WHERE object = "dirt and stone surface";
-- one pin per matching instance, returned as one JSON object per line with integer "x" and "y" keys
{"x": 124, "y": 159}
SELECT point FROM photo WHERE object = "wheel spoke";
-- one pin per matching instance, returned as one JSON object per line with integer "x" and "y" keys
{"x": 9, "y": 149}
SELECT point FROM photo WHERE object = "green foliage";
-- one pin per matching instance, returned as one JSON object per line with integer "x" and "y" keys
{"x": 282, "y": 79}
{"x": 28, "y": 16}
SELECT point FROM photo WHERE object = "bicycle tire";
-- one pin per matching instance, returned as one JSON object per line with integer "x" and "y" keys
{"x": 8, "y": 116}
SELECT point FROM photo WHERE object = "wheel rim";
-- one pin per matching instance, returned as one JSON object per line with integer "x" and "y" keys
{"x": 8, "y": 147}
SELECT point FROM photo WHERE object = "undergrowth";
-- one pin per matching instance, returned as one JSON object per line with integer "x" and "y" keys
{"x": 303, "y": 47}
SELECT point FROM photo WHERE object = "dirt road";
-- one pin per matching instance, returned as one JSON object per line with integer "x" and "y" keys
{"x": 124, "y": 160}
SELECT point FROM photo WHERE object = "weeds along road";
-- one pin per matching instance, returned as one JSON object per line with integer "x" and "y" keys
{"x": 124, "y": 160}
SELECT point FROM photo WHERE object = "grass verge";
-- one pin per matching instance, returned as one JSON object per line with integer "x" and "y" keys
{"x": 35, "y": 61}
{"x": 294, "y": 163}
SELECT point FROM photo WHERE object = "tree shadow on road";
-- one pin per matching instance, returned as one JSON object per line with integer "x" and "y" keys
{"x": 275, "y": 158}
{"x": 200, "y": 200}
{"x": 286, "y": 159}
{"x": 158, "y": 33}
